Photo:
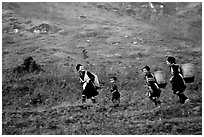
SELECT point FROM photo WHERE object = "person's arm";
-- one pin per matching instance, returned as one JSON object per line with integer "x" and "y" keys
{"x": 146, "y": 79}
{"x": 81, "y": 78}
{"x": 81, "y": 81}
{"x": 171, "y": 69}
{"x": 171, "y": 79}
{"x": 113, "y": 88}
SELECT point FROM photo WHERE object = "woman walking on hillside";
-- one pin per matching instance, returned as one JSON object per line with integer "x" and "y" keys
{"x": 86, "y": 79}
{"x": 153, "y": 88}
{"x": 177, "y": 81}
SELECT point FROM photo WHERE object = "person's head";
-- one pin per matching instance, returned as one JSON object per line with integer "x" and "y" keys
{"x": 80, "y": 68}
{"x": 170, "y": 60}
{"x": 146, "y": 69}
{"x": 113, "y": 79}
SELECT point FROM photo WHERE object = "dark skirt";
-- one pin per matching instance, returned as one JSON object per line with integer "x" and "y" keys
{"x": 90, "y": 91}
{"x": 178, "y": 84}
{"x": 155, "y": 91}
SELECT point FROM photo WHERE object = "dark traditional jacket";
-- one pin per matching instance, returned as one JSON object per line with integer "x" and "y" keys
{"x": 150, "y": 79}
{"x": 86, "y": 75}
{"x": 86, "y": 79}
{"x": 114, "y": 88}
{"x": 177, "y": 81}
{"x": 115, "y": 92}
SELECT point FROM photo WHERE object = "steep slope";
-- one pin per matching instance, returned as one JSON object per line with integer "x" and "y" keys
{"x": 108, "y": 42}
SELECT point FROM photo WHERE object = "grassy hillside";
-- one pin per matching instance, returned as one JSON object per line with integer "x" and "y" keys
{"x": 109, "y": 39}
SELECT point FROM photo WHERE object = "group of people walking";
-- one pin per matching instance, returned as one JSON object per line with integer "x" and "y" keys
{"x": 176, "y": 80}
{"x": 90, "y": 85}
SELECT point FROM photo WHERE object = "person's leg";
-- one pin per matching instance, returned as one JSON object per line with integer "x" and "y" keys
{"x": 177, "y": 94}
{"x": 93, "y": 99}
{"x": 83, "y": 98}
{"x": 182, "y": 98}
{"x": 155, "y": 95}
{"x": 113, "y": 100}
{"x": 117, "y": 102}
{"x": 153, "y": 99}
{"x": 117, "y": 98}
{"x": 158, "y": 102}
{"x": 149, "y": 91}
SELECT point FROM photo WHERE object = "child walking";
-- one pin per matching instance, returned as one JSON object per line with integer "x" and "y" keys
{"x": 153, "y": 88}
{"x": 115, "y": 93}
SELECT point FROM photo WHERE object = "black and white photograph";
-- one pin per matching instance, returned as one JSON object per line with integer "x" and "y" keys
{"x": 101, "y": 68}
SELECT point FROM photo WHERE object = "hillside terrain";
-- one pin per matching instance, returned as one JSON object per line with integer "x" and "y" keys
{"x": 110, "y": 39}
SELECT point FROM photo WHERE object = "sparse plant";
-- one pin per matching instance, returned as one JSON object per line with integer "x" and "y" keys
{"x": 84, "y": 53}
